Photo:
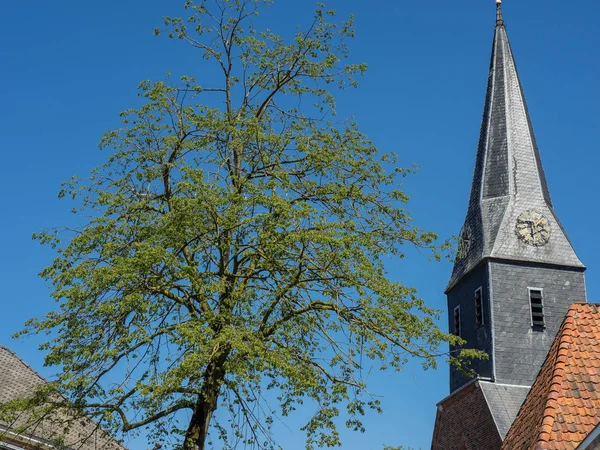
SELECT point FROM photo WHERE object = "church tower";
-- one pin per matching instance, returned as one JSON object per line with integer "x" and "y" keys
{"x": 516, "y": 273}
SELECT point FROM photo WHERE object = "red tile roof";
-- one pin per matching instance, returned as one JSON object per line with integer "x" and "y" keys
{"x": 563, "y": 406}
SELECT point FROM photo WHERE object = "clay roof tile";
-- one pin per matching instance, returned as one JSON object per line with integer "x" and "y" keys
{"x": 563, "y": 406}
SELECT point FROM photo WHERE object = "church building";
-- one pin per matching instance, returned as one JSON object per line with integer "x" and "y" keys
{"x": 517, "y": 292}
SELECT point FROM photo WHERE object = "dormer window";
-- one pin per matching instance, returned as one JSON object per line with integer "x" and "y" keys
{"x": 479, "y": 307}
{"x": 536, "y": 303}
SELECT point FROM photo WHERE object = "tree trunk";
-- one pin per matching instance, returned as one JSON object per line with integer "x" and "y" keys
{"x": 195, "y": 437}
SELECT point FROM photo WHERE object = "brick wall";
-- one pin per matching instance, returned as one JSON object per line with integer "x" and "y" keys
{"x": 464, "y": 422}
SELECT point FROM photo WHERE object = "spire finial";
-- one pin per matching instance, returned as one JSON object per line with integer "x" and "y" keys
{"x": 499, "y": 18}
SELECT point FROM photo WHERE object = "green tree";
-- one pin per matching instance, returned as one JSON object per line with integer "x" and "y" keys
{"x": 235, "y": 248}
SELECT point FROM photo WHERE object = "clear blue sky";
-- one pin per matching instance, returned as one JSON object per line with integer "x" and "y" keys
{"x": 70, "y": 66}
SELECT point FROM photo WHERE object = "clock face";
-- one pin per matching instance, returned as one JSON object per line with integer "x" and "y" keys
{"x": 464, "y": 242}
{"x": 533, "y": 228}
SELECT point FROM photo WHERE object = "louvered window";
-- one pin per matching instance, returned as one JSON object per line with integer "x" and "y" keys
{"x": 479, "y": 307}
{"x": 457, "y": 321}
{"x": 537, "y": 308}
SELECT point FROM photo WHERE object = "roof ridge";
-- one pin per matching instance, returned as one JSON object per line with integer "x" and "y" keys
{"x": 548, "y": 415}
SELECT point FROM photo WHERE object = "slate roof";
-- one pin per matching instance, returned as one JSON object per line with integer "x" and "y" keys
{"x": 509, "y": 178}
{"x": 563, "y": 406}
{"x": 18, "y": 380}
{"x": 504, "y": 402}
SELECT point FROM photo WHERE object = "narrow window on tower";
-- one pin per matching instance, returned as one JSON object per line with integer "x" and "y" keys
{"x": 457, "y": 321}
{"x": 479, "y": 307}
{"x": 537, "y": 308}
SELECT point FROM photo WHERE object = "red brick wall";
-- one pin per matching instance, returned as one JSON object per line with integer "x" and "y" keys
{"x": 464, "y": 422}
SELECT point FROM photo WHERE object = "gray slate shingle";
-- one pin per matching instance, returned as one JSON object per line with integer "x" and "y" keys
{"x": 504, "y": 402}
{"x": 508, "y": 178}
{"x": 18, "y": 380}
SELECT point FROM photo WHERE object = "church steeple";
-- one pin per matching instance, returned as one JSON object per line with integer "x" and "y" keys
{"x": 509, "y": 180}
{"x": 516, "y": 273}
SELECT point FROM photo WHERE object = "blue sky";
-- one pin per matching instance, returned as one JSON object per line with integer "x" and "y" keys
{"x": 69, "y": 67}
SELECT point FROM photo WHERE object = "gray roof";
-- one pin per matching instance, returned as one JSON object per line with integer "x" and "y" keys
{"x": 18, "y": 380}
{"x": 509, "y": 178}
{"x": 504, "y": 402}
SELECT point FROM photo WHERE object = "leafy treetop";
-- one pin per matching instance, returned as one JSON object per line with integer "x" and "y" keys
{"x": 234, "y": 252}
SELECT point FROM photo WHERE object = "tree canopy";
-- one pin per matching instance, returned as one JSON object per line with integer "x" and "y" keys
{"x": 235, "y": 248}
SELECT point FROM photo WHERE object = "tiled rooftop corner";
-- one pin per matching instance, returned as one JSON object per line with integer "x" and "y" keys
{"x": 19, "y": 380}
{"x": 563, "y": 406}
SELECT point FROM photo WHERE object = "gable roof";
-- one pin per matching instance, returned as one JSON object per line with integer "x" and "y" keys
{"x": 563, "y": 406}
{"x": 19, "y": 380}
{"x": 504, "y": 402}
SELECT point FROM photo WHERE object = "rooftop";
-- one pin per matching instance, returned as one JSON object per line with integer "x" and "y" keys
{"x": 563, "y": 406}
{"x": 18, "y": 380}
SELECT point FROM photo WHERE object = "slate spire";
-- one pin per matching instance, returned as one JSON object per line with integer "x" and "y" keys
{"x": 499, "y": 18}
{"x": 509, "y": 180}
